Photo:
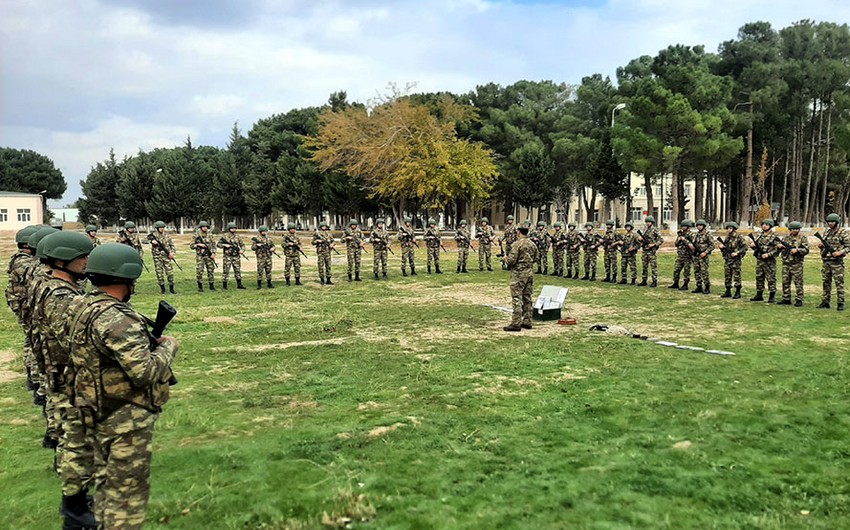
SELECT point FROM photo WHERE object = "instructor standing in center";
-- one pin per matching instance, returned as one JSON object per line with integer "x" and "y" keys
{"x": 520, "y": 260}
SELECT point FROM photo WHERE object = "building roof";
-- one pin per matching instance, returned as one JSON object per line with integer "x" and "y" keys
{"x": 18, "y": 194}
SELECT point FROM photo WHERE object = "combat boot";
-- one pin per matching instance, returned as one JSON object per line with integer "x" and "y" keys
{"x": 329, "y": 282}
{"x": 212, "y": 286}
{"x": 357, "y": 277}
{"x": 539, "y": 271}
{"x": 840, "y": 306}
{"x": 437, "y": 269}
{"x": 706, "y": 289}
{"x": 171, "y": 288}
{"x": 322, "y": 280}
{"x": 634, "y": 280}
{"x": 269, "y": 284}
{"x": 349, "y": 276}
{"x": 512, "y": 328}
{"x": 623, "y": 281}
{"x": 824, "y": 305}
{"x": 758, "y": 297}
{"x": 429, "y": 269}
{"x": 463, "y": 270}
{"x": 698, "y": 290}
{"x": 614, "y": 279}
{"x": 412, "y": 270}
{"x": 489, "y": 269}
{"x": 642, "y": 283}
{"x": 200, "y": 287}
{"x": 378, "y": 278}
{"x": 798, "y": 303}
{"x": 654, "y": 283}
{"x": 784, "y": 302}
{"x": 239, "y": 284}
{"x": 727, "y": 293}
{"x": 458, "y": 270}
{"x": 224, "y": 284}
{"x": 288, "y": 283}
{"x": 298, "y": 280}
{"x": 737, "y": 295}
{"x": 384, "y": 275}
{"x": 162, "y": 288}
{"x": 586, "y": 276}
{"x": 593, "y": 277}
{"x": 77, "y": 512}
{"x": 404, "y": 273}
{"x": 684, "y": 286}
{"x": 674, "y": 285}
{"x": 259, "y": 284}
{"x": 607, "y": 278}
{"x": 772, "y": 298}
{"x": 525, "y": 326}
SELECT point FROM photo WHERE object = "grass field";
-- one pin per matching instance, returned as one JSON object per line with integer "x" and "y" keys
{"x": 402, "y": 404}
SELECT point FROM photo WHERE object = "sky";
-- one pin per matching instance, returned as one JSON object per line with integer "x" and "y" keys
{"x": 80, "y": 78}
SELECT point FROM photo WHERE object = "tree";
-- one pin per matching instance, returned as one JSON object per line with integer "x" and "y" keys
{"x": 99, "y": 188}
{"x": 30, "y": 172}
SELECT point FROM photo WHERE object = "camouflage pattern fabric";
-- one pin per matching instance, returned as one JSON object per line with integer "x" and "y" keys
{"x": 610, "y": 242}
{"x": 161, "y": 247}
{"x": 629, "y": 249}
{"x": 509, "y": 236}
{"x": 39, "y": 276}
{"x": 291, "y": 252}
{"x": 464, "y": 241}
{"x": 559, "y": 241}
{"x": 232, "y": 255}
{"x": 684, "y": 257}
{"x": 540, "y": 237}
{"x": 573, "y": 253}
{"x": 652, "y": 241}
{"x": 20, "y": 269}
{"x": 406, "y": 236}
{"x": 732, "y": 265}
{"x": 353, "y": 239}
{"x": 263, "y": 246}
{"x": 432, "y": 244}
{"x": 766, "y": 267}
{"x": 380, "y": 240}
{"x": 485, "y": 235}
{"x": 591, "y": 252}
{"x": 204, "y": 257}
{"x": 132, "y": 239}
{"x": 792, "y": 266}
{"x": 833, "y": 268}
{"x": 704, "y": 244}
{"x": 520, "y": 261}
{"x": 95, "y": 241}
{"x": 322, "y": 240}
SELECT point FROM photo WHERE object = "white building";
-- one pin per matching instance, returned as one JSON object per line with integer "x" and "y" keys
{"x": 18, "y": 210}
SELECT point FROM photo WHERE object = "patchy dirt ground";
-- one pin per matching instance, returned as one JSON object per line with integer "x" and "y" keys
{"x": 6, "y": 373}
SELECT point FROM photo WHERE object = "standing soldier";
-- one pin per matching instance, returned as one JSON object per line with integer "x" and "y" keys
{"x": 573, "y": 252}
{"x": 233, "y": 249}
{"x": 406, "y": 236}
{"x": 464, "y": 241}
{"x": 20, "y": 268}
{"x": 833, "y": 247}
{"x": 204, "y": 247}
{"x": 701, "y": 246}
{"x": 520, "y": 262}
{"x": 130, "y": 237}
{"x": 432, "y": 245}
{"x": 650, "y": 241}
{"x": 684, "y": 256}
{"x": 765, "y": 250}
{"x": 794, "y": 249}
{"x": 510, "y": 234}
{"x": 162, "y": 250}
{"x": 591, "y": 252}
{"x": 263, "y": 247}
{"x": 353, "y": 238}
{"x": 733, "y": 248}
{"x": 380, "y": 240}
{"x": 629, "y": 246}
{"x": 610, "y": 242}
{"x": 541, "y": 238}
{"x": 486, "y": 235}
{"x": 559, "y": 240}
{"x": 292, "y": 251}
{"x": 119, "y": 379}
{"x": 91, "y": 231}
{"x": 324, "y": 243}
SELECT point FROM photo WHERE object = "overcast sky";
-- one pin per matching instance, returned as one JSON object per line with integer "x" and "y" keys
{"x": 80, "y": 77}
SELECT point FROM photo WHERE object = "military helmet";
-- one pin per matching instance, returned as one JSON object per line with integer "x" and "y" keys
{"x": 91, "y": 228}
{"x": 509, "y": 218}
{"x": 485, "y": 220}
{"x": 353, "y": 222}
{"x": 768, "y": 222}
{"x": 463, "y": 222}
{"x": 116, "y": 260}
{"x": 66, "y": 246}
{"x": 795, "y": 225}
{"x": 325, "y": 224}
{"x": 701, "y": 222}
{"x": 203, "y": 224}
{"x": 290, "y": 226}
{"x": 649, "y": 219}
{"x": 572, "y": 225}
{"x": 231, "y": 225}
{"x": 588, "y": 225}
{"x": 407, "y": 219}
{"x": 431, "y": 221}
{"x": 159, "y": 224}
{"x": 36, "y": 237}
{"x": 629, "y": 224}
{"x": 610, "y": 222}
{"x": 732, "y": 224}
{"x": 558, "y": 224}
{"x": 24, "y": 234}
{"x": 833, "y": 217}
{"x": 379, "y": 221}
{"x": 262, "y": 228}
{"x": 687, "y": 223}
{"x": 129, "y": 224}
{"x": 541, "y": 223}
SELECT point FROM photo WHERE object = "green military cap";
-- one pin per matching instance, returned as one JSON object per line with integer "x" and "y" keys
{"x": 833, "y": 217}
{"x": 379, "y": 221}
{"x": 572, "y": 225}
{"x": 649, "y": 219}
{"x": 687, "y": 222}
{"x": 485, "y": 220}
{"x": 701, "y": 222}
{"x": 407, "y": 219}
{"x": 558, "y": 224}
{"x": 527, "y": 222}
{"x": 24, "y": 234}
{"x": 353, "y": 222}
{"x": 116, "y": 260}
{"x": 541, "y": 223}
{"x": 795, "y": 225}
{"x": 768, "y": 222}
{"x": 91, "y": 228}
{"x": 66, "y": 246}
{"x": 203, "y": 224}
{"x": 324, "y": 224}
{"x": 159, "y": 224}
{"x": 588, "y": 225}
{"x": 36, "y": 237}
{"x": 610, "y": 222}
{"x": 628, "y": 224}
{"x": 290, "y": 226}
{"x": 129, "y": 224}
{"x": 262, "y": 228}
{"x": 732, "y": 224}
{"x": 231, "y": 225}
{"x": 509, "y": 218}
{"x": 432, "y": 222}
{"x": 463, "y": 222}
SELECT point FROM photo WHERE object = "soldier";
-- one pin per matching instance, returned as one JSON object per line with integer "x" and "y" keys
{"x": 324, "y": 243}
{"x": 486, "y": 235}
{"x": 380, "y": 240}
{"x": 833, "y": 247}
{"x": 541, "y": 238}
{"x": 464, "y": 242}
{"x": 91, "y": 231}
{"x": 765, "y": 250}
{"x": 610, "y": 242}
{"x": 119, "y": 380}
{"x": 559, "y": 241}
{"x": 162, "y": 250}
{"x": 629, "y": 246}
{"x": 510, "y": 234}
{"x": 650, "y": 241}
{"x": 591, "y": 242}
{"x": 407, "y": 238}
{"x": 733, "y": 248}
{"x": 233, "y": 249}
{"x": 130, "y": 237}
{"x": 432, "y": 245}
{"x": 67, "y": 254}
{"x": 701, "y": 246}
{"x": 204, "y": 247}
{"x": 263, "y": 248}
{"x": 19, "y": 271}
{"x": 292, "y": 251}
{"x": 684, "y": 256}
{"x": 573, "y": 252}
{"x": 353, "y": 238}
{"x": 521, "y": 262}
{"x": 793, "y": 249}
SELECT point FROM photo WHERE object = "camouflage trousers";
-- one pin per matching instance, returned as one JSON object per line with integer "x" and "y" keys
{"x": 231, "y": 261}
{"x": 701, "y": 271}
{"x": 573, "y": 261}
{"x": 485, "y": 256}
{"x": 379, "y": 260}
{"x": 609, "y": 260}
{"x": 462, "y": 257}
{"x": 683, "y": 268}
{"x": 522, "y": 284}
{"x": 590, "y": 259}
{"x": 264, "y": 266}
{"x": 164, "y": 269}
{"x": 76, "y": 448}
{"x": 543, "y": 260}
{"x": 629, "y": 261}
{"x": 204, "y": 263}
{"x": 558, "y": 262}
{"x": 323, "y": 259}
{"x": 792, "y": 272}
{"x": 732, "y": 272}
{"x": 433, "y": 256}
{"x": 354, "y": 256}
{"x": 766, "y": 270}
{"x": 123, "y": 458}
{"x": 833, "y": 271}
{"x": 649, "y": 262}
{"x": 292, "y": 262}
{"x": 408, "y": 251}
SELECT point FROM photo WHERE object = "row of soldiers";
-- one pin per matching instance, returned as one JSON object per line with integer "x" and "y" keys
{"x": 99, "y": 373}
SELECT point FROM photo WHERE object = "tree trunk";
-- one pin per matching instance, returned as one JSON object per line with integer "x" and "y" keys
{"x": 699, "y": 187}
{"x": 826, "y": 163}
{"x": 675, "y": 194}
{"x": 808, "y": 197}
{"x": 796, "y": 172}
{"x": 747, "y": 184}
{"x": 781, "y": 212}
{"x": 650, "y": 202}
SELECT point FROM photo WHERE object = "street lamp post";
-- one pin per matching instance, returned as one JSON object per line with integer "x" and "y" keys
{"x": 619, "y": 106}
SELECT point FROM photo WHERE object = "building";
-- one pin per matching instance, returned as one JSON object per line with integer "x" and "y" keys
{"x": 18, "y": 209}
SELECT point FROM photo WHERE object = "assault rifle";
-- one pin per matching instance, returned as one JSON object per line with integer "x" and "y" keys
{"x": 206, "y": 251}
{"x": 827, "y": 250}
{"x": 124, "y": 239}
{"x": 724, "y": 247}
{"x": 442, "y": 247}
{"x": 227, "y": 245}
{"x": 256, "y": 240}
{"x": 154, "y": 241}
{"x": 756, "y": 246}
{"x": 786, "y": 248}
{"x": 165, "y": 313}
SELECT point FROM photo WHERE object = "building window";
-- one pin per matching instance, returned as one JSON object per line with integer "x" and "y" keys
{"x": 4, "y": 215}
{"x": 578, "y": 215}
{"x": 595, "y": 216}
{"x": 636, "y": 214}
{"x": 657, "y": 191}
{"x": 24, "y": 215}
{"x": 687, "y": 190}
{"x": 668, "y": 215}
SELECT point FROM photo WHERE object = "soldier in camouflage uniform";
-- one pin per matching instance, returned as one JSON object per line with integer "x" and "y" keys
{"x": 510, "y": 234}
{"x": 734, "y": 248}
{"x": 684, "y": 257}
{"x": 380, "y": 240}
{"x": 520, "y": 262}
{"x": 629, "y": 246}
{"x": 353, "y": 238}
{"x": 292, "y": 252}
{"x": 485, "y": 235}
{"x": 559, "y": 241}
{"x": 834, "y": 247}
{"x": 610, "y": 242}
{"x": 573, "y": 252}
{"x": 19, "y": 271}
{"x": 324, "y": 243}
{"x": 204, "y": 247}
{"x": 130, "y": 237}
{"x": 590, "y": 244}
{"x": 432, "y": 245}
{"x": 119, "y": 380}
{"x": 233, "y": 249}
{"x": 91, "y": 231}
{"x": 701, "y": 246}
{"x": 67, "y": 255}
{"x": 263, "y": 248}
{"x": 464, "y": 243}
{"x": 793, "y": 251}
{"x": 541, "y": 238}
{"x": 162, "y": 250}
{"x": 651, "y": 241}
{"x": 406, "y": 236}
{"x": 765, "y": 250}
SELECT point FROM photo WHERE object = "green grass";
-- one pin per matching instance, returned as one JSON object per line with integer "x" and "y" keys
{"x": 402, "y": 405}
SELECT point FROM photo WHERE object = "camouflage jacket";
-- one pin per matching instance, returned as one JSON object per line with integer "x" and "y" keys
{"x": 114, "y": 359}
{"x": 522, "y": 257}
{"x": 540, "y": 237}
{"x": 485, "y": 235}
{"x": 20, "y": 268}
{"x": 291, "y": 245}
{"x": 50, "y": 310}
{"x": 766, "y": 243}
{"x": 838, "y": 240}
{"x": 591, "y": 242}
{"x": 352, "y": 238}
{"x": 39, "y": 276}
{"x": 131, "y": 239}
{"x": 630, "y": 245}
{"x": 234, "y": 243}
{"x": 734, "y": 243}
{"x": 702, "y": 242}
{"x": 611, "y": 241}
{"x": 463, "y": 238}
{"x": 559, "y": 240}
{"x": 203, "y": 239}
{"x": 161, "y": 244}
{"x": 323, "y": 240}
{"x": 801, "y": 243}
{"x": 379, "y": 238}
{"x": 95, "y": 241}
{"x": 683, "y": 237}
{"x": 263, "y": 245}
{"x": 651, "y": 240}
{"x": 406, "y": 235}
{"x": 510, "y": 235}
{"x": 573, "y": 242}
{"x": 432, "y": 237}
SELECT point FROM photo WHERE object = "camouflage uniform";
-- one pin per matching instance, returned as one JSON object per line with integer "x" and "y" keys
{"x": 232, "y": 256}
{"x": 39, "y": 276}
{"x": 95, "y": 241}
{"x": 703, "y": 244}
{"x": 406, "y": 237}
{"x": 591, "y": 253}
{"x": 432, "y": 247}
{"x": 464, "y": 241}
{"x": 833, "y": 267}
{"x": 652, "y": 240}
{"x": 766, "y": 267}
{"x": 610, "y": 242}
{"x": 20, "y": 270}
{"x": 323, "y": 240}
{"x": 204, "y": 257}
{"x": 353, "y": 238}
{"x": 573, "y": 253}
{"x": 734, "y": 243}
{"x": 684, "y": 258}
{"x": 131, "y": 239}
{"x": 120, "y": 385}
{"x": 509, "y": 237}
{"x": 629, "y": 246}
{"x": 792, "y": 266}
{"x": 263, "y": 246}
{"x": 380, "y": 240}
{"x": 161, "y": 248}
{"x": 541, "y": 238}
{"x": 559, "y": 241}
{"x": 520, "y": 262}
{"x": 485, "y": 235}
{"x": 292, "y": 252}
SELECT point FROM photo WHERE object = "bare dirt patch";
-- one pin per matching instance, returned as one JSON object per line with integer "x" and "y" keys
{"x": 502, "y": 385}
{"x": 465, "y": 293}
{"x": 220, "y": 320}
{"x": 281, "y": 345}
{"x": 6, "y": 358}
{"x": 384, "y": 429}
